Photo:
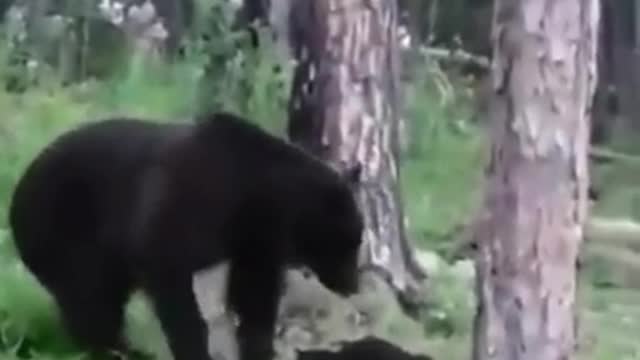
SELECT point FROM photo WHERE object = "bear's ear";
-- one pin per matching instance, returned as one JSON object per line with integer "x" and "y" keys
{"x": 351, "y": 174}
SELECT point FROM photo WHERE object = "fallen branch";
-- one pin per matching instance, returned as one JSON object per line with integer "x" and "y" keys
{"x": 621, "y": 266}
{"x": 600, "y": 154}
{"x": 457, "y": 56}
{"x": 614, "y": 232}
{"x": 617, "y": 233}
{"x": 624, "y": 259}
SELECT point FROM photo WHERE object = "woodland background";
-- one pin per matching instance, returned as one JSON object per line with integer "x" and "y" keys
{"x": 66, "y": 62}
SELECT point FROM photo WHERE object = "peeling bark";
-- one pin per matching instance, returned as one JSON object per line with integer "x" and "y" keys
{"x": 544, "y": 77}
{"x": 343, "y": 109}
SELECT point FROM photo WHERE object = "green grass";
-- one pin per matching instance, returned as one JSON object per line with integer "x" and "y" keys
{"x": 609, "y": 328}
{"x": 442, "y": 168}
{"x": 441, "y": 187}
{"x": 611, "y": 324}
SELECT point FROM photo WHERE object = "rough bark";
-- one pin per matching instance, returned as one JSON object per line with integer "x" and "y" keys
{"x": 344, "y": 109}
{"x": 529, "y": 236}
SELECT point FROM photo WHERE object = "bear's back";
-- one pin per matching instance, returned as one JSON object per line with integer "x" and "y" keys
{"x": 247, "y": 152}
{"x": 76, "y": 178}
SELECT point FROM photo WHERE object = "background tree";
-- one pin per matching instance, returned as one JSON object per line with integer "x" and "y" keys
{"x": 90, "y": 38}
{"x": 544, "y": 76}
{"x": 344, "y": 108}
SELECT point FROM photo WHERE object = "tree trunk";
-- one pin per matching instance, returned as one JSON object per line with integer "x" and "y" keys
{"x": 343, "y": 108}
{"x": 544, "y": 75}
{"x": 622, "y": 61}
{"x": 419, "y": 16}
{"x": 636, "y": 24}
{"x": 177, "y": 16}
{"x": 605, "y": 106}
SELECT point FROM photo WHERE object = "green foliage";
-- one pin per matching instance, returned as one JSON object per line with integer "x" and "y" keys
{"x": 610, "y": 324}
{"x": 253, "y": 82}
{"x": 452, "y": 304}
{"x": 620, "y": 194}
{"x": 77, "y": 45}
{"x": 442, "y": 167}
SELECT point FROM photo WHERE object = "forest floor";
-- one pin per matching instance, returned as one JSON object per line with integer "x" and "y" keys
{"x": 612, "y": 325}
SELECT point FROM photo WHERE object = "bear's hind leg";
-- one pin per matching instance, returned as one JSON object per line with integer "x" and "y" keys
{"x": 93, "y": 314}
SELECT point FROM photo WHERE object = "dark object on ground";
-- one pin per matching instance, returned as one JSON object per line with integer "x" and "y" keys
{"x": 369, "y": 348}
{"x": 124, "y": 203}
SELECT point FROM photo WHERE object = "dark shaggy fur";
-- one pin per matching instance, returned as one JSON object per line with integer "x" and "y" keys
{"x": 124, "y": 203}
{"x": 369, "y": 348}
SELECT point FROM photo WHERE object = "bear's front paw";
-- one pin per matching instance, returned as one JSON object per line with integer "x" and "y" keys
{"x": 257, "y": 349}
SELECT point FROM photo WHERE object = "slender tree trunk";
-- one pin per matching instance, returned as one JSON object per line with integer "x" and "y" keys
{"x": 622, "y": 61}
{"x": 344, "y": 109}
{"x": 636, "y": 24}
{"x": 544, "y": 76}
{"x": 605, "y": 106}
{"x": 177, "y": 16}
{"x": 419, "y": 16}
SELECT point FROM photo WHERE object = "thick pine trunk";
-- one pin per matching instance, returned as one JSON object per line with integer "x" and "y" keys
{"x": 344, "y": 109}
{"x": 544, "y": 76}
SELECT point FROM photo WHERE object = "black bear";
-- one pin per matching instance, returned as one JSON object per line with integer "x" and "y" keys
{"x": 368, "y": 348}
{"x": 123, "y": 204}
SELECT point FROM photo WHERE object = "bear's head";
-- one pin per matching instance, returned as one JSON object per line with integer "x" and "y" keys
{"x": 329, "y": 235}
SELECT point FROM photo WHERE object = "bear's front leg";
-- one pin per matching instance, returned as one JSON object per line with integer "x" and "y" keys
{"x": 259, "y": 253}
{"x": 253, "y": 292}
{"x": 178, "y": 312}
